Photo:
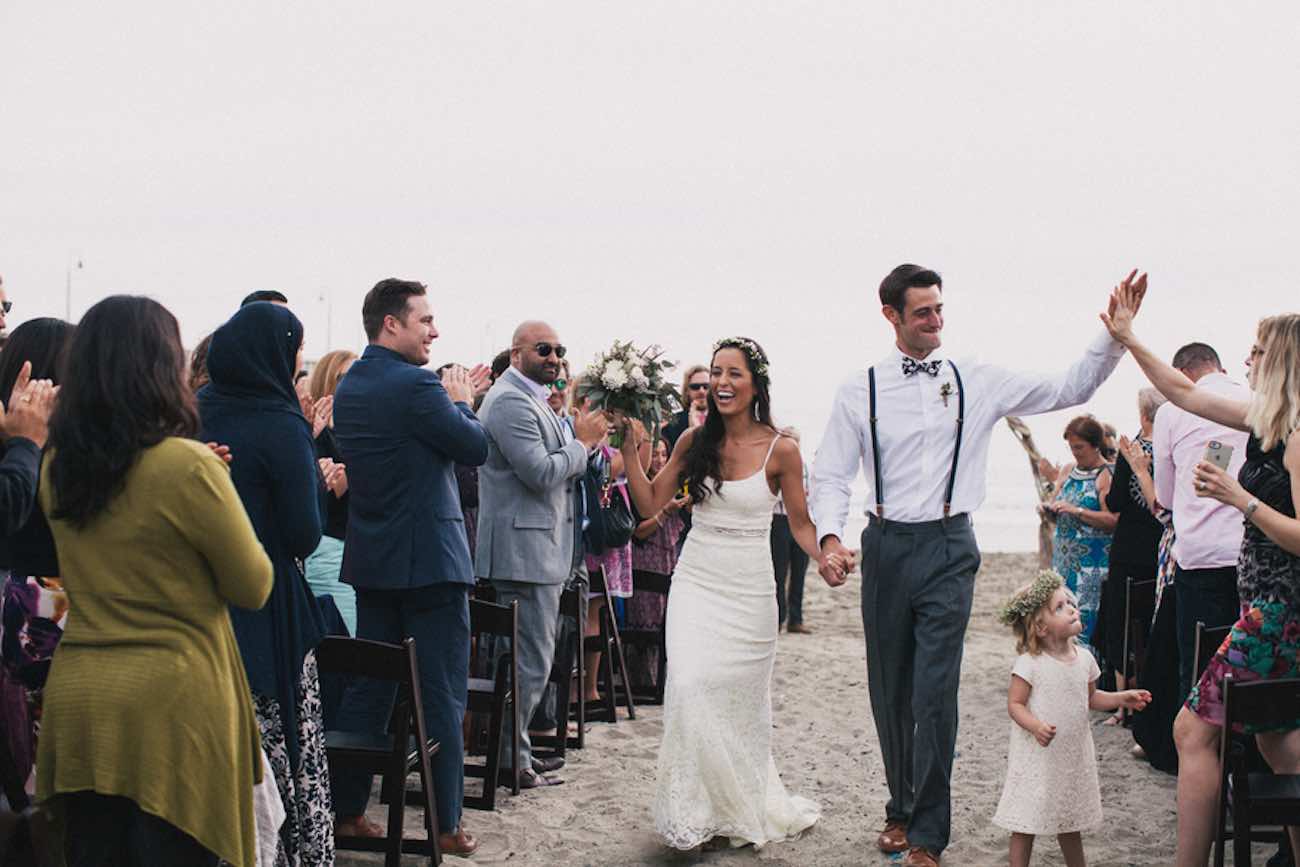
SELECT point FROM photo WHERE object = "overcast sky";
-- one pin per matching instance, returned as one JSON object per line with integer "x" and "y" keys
{"x": 667, "y": 171}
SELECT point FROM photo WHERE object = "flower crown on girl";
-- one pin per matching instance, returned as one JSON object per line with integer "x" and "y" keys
{"x": 1028, "y": 599}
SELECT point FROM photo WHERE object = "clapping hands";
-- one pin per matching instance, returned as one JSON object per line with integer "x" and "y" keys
{"x": 1138, "y": 459}
{"x": 30, "y": 403}
{"x": 334, "y": 476}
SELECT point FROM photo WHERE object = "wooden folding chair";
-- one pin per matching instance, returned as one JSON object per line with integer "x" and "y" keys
{"x": 492, "y": 696}
{"x": 1208, "y": 641}
{"x": 650, "y": 640}
{"x": 1139, "y": 606}
{"x": 1253, "y": 799}
{"x": 609, "y": 644}
{"x": 575, "y": 706}
{"x": 403, "y": 749}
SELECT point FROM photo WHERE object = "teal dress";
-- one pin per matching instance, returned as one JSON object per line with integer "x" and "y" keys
{"x": 1081, "y": 553}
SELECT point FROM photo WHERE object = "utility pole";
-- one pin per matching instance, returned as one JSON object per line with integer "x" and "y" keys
{"x": 67, "y": 289}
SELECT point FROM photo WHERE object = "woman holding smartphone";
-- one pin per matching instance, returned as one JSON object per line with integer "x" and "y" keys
{"x": 1265, "y": 641}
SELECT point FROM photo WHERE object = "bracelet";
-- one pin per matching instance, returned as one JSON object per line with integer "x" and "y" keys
{"x": 1249, "y": 511}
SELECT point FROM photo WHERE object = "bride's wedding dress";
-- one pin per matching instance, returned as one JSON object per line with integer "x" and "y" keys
{"x": 716, "y": 777}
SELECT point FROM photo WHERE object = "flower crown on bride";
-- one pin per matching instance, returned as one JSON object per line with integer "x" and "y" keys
{"x": 757, "y": 358}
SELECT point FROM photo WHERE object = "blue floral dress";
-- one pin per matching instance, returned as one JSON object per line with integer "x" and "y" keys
{"x": 1081, "y": 553}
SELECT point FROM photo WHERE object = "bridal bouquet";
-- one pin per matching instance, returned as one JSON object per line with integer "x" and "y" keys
{"x": 631, "y": 381}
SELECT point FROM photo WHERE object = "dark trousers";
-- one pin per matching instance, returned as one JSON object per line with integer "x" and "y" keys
{"x": 437, "y": 617}
{"x": 918, "y": 581}
{"x": 110, "y": 831}
{"x": 1207, "y": 595}
{"x": 787, "y": 559}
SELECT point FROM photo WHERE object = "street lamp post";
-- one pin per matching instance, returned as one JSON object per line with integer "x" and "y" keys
{"x": 67, "y": 289}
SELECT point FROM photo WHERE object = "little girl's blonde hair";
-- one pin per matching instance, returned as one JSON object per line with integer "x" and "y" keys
{"x": 1025, "y": 605}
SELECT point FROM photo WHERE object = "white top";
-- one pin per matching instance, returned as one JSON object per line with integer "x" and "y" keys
{"x": 1208, "y": 533}
{"x": 918, "y": 431}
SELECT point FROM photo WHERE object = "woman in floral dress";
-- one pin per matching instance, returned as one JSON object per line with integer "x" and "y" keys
{"x": 1081, "y": 546}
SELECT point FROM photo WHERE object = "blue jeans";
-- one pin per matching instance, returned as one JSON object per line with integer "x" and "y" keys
{"x": 437, "y": 617}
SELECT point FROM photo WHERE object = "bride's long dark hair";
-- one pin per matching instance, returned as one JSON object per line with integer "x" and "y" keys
{"x": 703, "y": 469}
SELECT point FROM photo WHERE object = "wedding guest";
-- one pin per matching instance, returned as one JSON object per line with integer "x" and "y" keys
{"x": 250, "y": 405}
{"x": 1110, "y": 442}
{"x": 654, "y": 551}
{"x": 270, "y": 295}
{"x": 198, "y": 370}
{"x": 922, "y": 530}
{"x": 1209, "y": 533}
{"x": 1261, "y": 645}
{"x": 324, "y": 565}
{"x": 402, "y": 429}
{"x": 32, "y": 601}
{"x": 529, "y": 525}
{"x": 467, "y": 476}
{"x": 1084, "y": 524}
{"x": 1135, "y": 544}
{"x": 789, "y": 561}
{"x": 149, "y": 743}
{"x": 557, "y": 397}
{"x": 500, "y": 362}
{"x": 695, "y": 404}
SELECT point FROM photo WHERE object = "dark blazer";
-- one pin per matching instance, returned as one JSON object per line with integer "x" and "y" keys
{"x": 401, "y": 438}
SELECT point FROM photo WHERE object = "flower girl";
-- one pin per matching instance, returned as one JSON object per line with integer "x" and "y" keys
{"x": 1052, "y": 785}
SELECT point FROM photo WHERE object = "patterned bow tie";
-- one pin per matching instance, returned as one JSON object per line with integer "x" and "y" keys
{"x": 911, "y": 366}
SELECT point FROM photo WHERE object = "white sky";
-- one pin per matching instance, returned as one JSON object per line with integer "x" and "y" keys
{"x": 669, "y": 172}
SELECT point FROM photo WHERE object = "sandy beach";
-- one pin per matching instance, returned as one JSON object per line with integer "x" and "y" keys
{"x": 825, "y": 746}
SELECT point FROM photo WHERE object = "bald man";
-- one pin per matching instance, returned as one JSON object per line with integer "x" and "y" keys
{"x": 529, "y": 525}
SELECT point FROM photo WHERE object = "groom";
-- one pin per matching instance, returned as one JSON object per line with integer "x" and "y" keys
{"x": 920, "y": 425}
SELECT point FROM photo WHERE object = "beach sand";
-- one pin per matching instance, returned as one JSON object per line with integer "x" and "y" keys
{"x": 825, "y": 747}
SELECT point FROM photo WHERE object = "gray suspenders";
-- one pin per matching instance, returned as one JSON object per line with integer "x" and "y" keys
{"x": 878, "y": 477}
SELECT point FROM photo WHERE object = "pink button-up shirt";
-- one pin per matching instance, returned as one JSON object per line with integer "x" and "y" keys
{"x": 1209, "y": 532}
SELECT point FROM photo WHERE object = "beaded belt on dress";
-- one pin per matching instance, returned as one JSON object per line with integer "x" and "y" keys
{"x": 731, "y": 531}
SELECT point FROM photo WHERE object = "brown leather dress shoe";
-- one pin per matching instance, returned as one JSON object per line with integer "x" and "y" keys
{"x": 919, "y": 856}
{"x": 459, "y": 842}
{"x": 893, "y": 838}
{"x": 799, "y": 629}
{"x": 358, "y": 826}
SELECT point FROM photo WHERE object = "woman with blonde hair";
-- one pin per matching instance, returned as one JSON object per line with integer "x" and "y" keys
{"x": 322, "y": 566}
{"x": 1264, "y": 643}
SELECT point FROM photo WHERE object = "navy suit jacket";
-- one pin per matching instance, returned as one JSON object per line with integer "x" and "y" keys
{"x": 401, "y": 438}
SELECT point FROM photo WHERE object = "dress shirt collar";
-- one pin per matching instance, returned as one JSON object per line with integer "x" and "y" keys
{"x": 894, "y": 360}
{"x": 536, "y": 389}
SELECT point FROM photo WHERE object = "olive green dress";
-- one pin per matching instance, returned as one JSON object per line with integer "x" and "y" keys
{"x": 147, "y": 697}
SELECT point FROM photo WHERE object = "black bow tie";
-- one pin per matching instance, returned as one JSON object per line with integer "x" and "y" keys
{"x": 911, "y": 366}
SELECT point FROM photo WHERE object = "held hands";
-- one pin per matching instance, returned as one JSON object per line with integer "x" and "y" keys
{"x": 1210, "y": 481}
{"x": 1134, "y": 699}
{"x": 835, "y": 562}
{"x": 1044, "y": 733}
{"x": 1125, "y": 301}
{"x": 30, "y": 405}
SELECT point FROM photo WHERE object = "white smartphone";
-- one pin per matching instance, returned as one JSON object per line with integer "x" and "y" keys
{"x": 1219, "y": 454}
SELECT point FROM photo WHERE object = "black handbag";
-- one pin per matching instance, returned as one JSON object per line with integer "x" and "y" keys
{"x": 609, "y": 519}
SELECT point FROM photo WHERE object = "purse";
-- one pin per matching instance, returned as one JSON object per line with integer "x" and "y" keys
{"x": 609, "y": 515}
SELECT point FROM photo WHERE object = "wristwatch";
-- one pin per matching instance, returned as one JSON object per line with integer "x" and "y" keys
{"x": 1249, "y": 511}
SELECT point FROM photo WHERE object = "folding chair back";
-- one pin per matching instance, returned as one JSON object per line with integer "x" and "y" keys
{"x": 495, "y": 697}
{"x": 1208, "y": 641}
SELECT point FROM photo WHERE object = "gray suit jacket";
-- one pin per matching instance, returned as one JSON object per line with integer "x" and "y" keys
{"x": 527, "y": 501}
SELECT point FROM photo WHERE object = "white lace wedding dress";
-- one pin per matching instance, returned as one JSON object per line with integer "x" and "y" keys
{"x": 716, "y": 777}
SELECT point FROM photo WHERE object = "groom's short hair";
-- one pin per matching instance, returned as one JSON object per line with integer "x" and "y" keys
{"x": 893, "y": 289}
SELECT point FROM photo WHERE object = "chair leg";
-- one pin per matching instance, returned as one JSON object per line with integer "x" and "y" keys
{"x": 580, "y": 664}
{"x": 395, "y": 783}
{"x": 621, "y": 662}
{"x": 430, "y": 806}
{"x": 606, "y": 662}
{"x": 662, "y": 677}
{"x": 492, "y": 761}
{"x": 1240, "y": 841}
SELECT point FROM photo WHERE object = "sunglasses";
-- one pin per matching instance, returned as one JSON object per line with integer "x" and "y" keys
{"x": 560, "y": 384}
{"x": 545, "y": 349}
{"x": 698, "y": 386}
{"x": 6, "y": 306}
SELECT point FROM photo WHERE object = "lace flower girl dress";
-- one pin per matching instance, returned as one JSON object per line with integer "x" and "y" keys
{"x": 716, "y": 776}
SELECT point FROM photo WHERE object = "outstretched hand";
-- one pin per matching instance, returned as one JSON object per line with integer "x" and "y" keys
{"x": 1125, "y": 302}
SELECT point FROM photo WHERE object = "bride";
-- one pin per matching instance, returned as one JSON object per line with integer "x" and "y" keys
{"x": 716, "y": 777}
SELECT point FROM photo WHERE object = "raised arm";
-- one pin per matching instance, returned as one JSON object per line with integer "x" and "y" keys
{"x": 651, "y": 496}
{"x": 1169, "y": 381}
{"x": 450, "y": 427}
{"x": 514, "y": 428}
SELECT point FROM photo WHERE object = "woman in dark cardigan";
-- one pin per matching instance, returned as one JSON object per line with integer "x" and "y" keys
{"x": 250, "y": 405}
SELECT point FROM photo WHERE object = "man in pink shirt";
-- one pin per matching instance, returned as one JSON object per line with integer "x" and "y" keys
{"x": 1208, "y": 532}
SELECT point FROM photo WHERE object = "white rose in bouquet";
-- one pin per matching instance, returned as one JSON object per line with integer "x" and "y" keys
{"x": 614, "y": 377}
{"x": 638, "y": 377}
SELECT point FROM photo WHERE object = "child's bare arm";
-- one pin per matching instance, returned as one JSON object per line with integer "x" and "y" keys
{"x": 1018, "y": 708}
{"x": 1132, "y": 699}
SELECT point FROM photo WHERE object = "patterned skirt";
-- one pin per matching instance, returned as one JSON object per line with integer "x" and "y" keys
{"x": 1264, "y": 644}
{"x": 307, "y": 836}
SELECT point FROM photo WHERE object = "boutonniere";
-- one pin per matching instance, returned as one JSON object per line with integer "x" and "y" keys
{"x": 945, "y": 392}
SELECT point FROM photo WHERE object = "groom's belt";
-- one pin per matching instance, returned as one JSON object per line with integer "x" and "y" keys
{"x": 936, "y": 526}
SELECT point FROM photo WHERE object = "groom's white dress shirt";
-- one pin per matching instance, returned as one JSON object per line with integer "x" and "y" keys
{"x": 918, "y": 432}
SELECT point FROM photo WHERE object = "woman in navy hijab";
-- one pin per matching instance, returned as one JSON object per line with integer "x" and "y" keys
{"x": 250, "y": 405}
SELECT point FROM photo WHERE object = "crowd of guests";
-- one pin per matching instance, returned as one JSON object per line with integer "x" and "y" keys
{"x": 215, "y": 514}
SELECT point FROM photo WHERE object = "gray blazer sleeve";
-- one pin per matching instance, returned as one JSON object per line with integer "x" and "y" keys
{"x": 514, "y": 429}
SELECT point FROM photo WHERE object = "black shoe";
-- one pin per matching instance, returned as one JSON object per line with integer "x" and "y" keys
{"x": 546, "y": 766}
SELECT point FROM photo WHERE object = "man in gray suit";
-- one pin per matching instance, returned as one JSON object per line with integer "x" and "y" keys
{"x": 529, "y": 526}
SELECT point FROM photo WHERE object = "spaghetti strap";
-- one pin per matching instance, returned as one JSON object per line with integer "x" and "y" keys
{"x": 770, "y": 449}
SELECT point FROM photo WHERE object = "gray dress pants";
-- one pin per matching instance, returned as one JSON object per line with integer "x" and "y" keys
{"x": 917, "y": 584}
{"x": 539, "y": 615}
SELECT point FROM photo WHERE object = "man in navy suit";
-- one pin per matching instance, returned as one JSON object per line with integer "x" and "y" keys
{"x": 402, "y": 430}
